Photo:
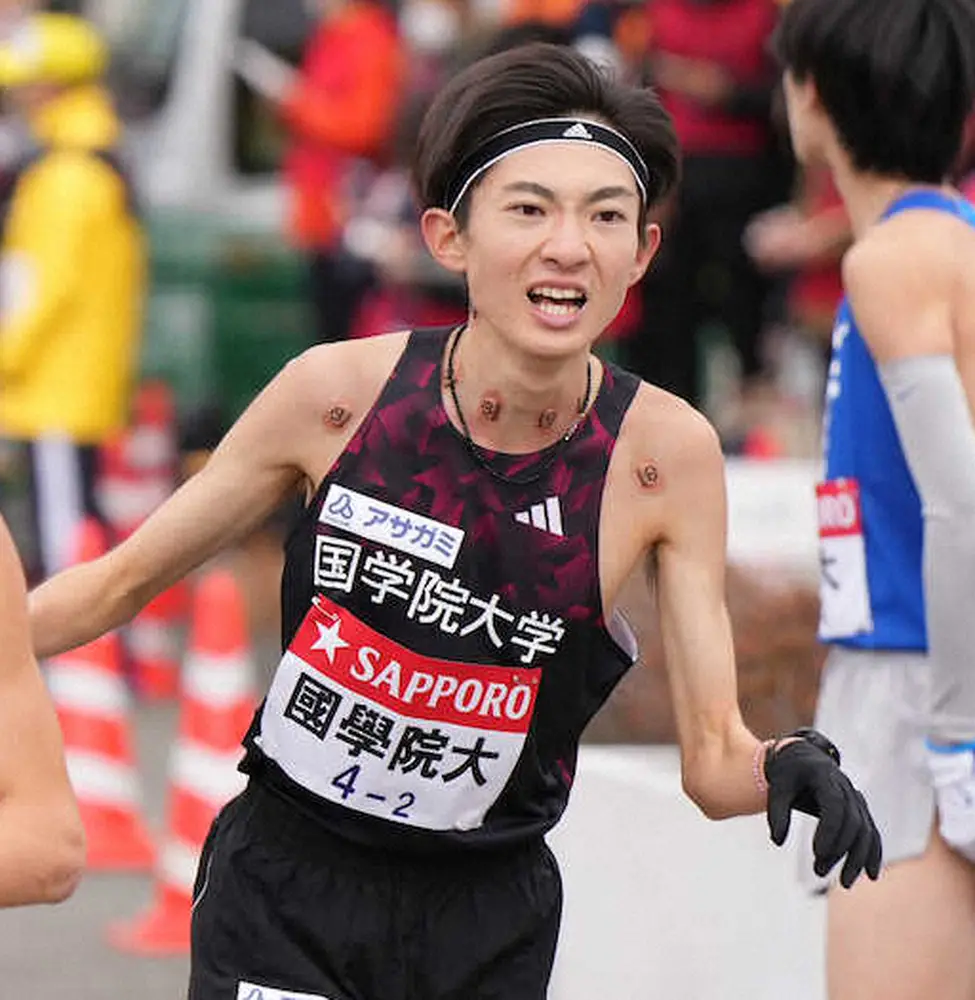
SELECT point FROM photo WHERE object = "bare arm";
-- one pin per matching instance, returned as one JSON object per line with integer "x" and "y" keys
{"x": 784, "y": 238}
{"x": 720, "y": 758}
{"x": 717, "y": 750}
{"x": 254, "y": 468}
{"x": 42, "y": 845}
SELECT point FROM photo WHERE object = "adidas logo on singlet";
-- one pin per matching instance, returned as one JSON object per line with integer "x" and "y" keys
{"x": 545, "y": 516}
{"x": 577, "y": 131}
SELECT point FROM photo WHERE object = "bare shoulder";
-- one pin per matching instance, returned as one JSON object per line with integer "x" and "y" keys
{"x": 337, "y": 384}
{"x": 669, "y": 455}
{"x": 901, "y": 278}
{"x": 329, "y": 390}
{"x": 349, "y": 374}
{"x": 309, "y": 411}
{"x": 661, "y": 424}
{"x": 917, "y": 251}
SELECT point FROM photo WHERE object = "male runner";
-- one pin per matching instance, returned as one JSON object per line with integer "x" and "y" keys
{"x": 476, "y": 498}
{"x": 879, "y": 93}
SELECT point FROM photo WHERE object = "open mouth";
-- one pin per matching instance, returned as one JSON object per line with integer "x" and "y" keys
{"x": 557, "y": 301}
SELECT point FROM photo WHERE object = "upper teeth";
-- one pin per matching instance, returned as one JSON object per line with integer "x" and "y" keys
{"x": 558, "y": 293}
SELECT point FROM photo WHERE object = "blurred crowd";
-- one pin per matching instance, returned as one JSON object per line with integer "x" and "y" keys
{"x": 736, "y": 311}
{"x": 734, "y": 315}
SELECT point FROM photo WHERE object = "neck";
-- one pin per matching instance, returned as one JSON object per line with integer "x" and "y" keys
{"x": 866, "y": 196}
{"x": 513, "y": 401}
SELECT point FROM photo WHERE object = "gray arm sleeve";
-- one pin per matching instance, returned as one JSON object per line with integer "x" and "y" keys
{"x": 936, "y": 431}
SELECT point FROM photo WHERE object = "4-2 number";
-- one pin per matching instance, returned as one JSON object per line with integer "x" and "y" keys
{"x": 345, "y": 783}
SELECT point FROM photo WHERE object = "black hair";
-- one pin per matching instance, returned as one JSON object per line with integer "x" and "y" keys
{"x": 896, "y": 77}
{"x": 530, "y": 82}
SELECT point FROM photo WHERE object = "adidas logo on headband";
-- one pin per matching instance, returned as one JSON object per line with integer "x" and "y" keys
{"x": 577, "y": 131}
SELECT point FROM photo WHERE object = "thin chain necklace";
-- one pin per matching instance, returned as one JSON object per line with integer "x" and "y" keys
{"x": 475, "y": 449}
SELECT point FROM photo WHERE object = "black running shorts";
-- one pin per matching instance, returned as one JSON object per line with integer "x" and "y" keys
{"x": 284, "y": 910}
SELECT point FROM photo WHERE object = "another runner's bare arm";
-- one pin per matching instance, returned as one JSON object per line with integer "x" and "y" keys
{"x": 42, "y": 843}
{"x": 264, "y": 457}
{"x": 717, "y": 750}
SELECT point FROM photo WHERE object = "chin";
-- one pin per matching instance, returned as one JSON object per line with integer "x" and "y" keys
{"x": 545, "y": 338}
{"x": 566, "y": 334}
{"x": 552, "y": 342}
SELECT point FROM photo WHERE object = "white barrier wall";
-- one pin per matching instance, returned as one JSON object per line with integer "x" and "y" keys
{"x": 772, "y": 514}
{"x": 663, "y": 904}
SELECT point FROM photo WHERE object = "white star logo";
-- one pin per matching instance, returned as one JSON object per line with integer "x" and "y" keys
{"x": 329, "y": 639}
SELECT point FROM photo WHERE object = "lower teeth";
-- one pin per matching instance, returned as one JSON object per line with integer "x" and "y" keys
{"x": 559, "y": 309}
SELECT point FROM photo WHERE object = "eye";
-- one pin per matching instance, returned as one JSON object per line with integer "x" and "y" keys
{"x": 527, "y": 209}
{"x": 610, "y": 215}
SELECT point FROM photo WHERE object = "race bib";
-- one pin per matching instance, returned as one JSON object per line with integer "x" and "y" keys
{"x": 365, "y": 722}
{"x": 844, "y": 591}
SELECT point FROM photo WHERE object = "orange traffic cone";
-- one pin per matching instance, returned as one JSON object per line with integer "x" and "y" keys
{"x": 137, "y": 469}
{"x": 137, "y": 472}
{"x": 153, "y": 641}
{"x": 124, "y": 495}
{"x": 152, "y": 447}
{"x": 92, "y": 702}
{"x": 217, "y": 704}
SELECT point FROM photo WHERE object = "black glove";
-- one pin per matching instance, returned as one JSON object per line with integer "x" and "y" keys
{"x": 806, "y": 775}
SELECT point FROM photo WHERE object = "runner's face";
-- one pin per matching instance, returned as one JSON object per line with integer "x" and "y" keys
{"x": 552, "y": 246}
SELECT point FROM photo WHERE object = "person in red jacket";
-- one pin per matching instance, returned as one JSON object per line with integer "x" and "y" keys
{"x": 708, "y": 61}
{"x": 339, "y": 107}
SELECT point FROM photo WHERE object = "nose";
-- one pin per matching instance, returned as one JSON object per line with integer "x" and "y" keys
{"x": 567, "y": 243}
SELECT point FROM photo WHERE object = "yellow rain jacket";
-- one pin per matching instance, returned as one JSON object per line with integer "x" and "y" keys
{"x": 72, "y": 280}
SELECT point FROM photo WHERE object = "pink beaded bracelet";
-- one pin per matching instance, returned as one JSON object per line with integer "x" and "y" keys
{"x": 758, "y": 765}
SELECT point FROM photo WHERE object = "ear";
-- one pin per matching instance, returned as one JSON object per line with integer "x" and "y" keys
{"x": 645, "y": 253}
{"x": 802, "y": 93}
{"x": 443, "y": 239}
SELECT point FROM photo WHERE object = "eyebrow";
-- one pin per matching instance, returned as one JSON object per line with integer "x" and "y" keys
{"x": 600, "y": 194}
